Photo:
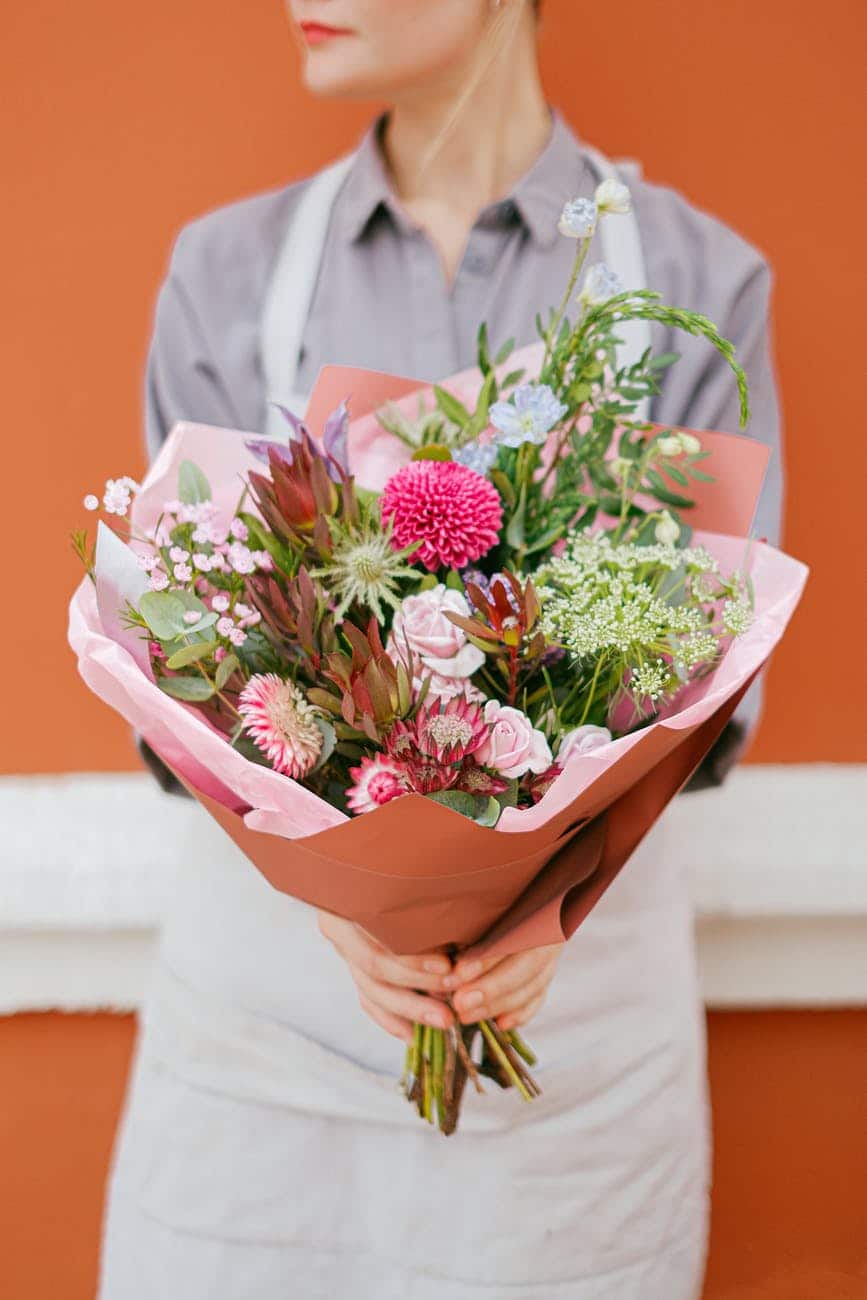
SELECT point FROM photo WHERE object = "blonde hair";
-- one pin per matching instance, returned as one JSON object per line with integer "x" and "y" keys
{"x": 502, "y": 25}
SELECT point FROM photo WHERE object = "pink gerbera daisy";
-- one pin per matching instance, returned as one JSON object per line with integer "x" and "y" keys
{"x": 282, "y": 723}
{"x": 454, "y": 512}
{"x": 378, "y": 780}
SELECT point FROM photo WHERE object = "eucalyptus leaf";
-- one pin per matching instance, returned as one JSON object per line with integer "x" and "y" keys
{"x": 482, "y": 809}
{"x": 189, "y": 654}
{"x": 163, "y": 611}
{"x": 193, "y": 487}
{"x": 329, "y": 740}
{"x": 225, "y": 668}
{"x": 195, "y": 690}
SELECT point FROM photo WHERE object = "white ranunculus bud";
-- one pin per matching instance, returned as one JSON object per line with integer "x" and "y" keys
{"x": 669, "y": 445}
{"x": 666, "y": 531}
{"x": 613, "y": 196}
{"x": 690, "y": 444}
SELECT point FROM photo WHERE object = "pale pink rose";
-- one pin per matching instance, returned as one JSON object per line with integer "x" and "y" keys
{"x": 435, "y": 643}
{"x": 582, "y": 740}
{"x": 514, "y": 747}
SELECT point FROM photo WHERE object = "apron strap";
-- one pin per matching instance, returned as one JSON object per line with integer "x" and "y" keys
{"x": 290, "y": 292}
{"x": 293, "y": 280}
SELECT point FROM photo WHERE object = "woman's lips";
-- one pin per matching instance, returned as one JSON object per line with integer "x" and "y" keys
{"x": 315, "y": 33}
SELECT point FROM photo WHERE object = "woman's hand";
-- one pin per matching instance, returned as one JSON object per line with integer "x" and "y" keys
{"x": 510, "y": 990}
{"x": 391, "y": 989}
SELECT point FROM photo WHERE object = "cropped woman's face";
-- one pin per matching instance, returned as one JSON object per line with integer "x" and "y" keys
{"x": 385, "y": 49}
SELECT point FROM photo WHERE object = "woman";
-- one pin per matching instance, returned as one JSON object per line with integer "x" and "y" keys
{"x": 264, "y": 1150}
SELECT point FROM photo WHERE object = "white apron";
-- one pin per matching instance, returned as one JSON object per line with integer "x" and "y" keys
{"x": 265, "y": 1152}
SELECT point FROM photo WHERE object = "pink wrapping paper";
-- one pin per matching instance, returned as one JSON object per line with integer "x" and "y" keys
{"x": 531, "y": 879}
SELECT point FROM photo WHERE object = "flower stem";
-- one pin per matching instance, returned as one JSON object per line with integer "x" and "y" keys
{"x": 580, "y": 255}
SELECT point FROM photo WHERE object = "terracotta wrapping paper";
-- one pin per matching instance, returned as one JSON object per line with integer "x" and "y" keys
{"x": 415, "y": 874}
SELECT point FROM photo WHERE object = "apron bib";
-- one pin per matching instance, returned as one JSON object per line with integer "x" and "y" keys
{"x": 266, "y": 1151}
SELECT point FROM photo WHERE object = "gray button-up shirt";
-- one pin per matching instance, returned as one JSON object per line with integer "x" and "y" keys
{"x": 382, "y": 299}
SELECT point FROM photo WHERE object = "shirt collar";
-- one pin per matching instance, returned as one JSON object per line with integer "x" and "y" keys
{"x": 538, "y": 195}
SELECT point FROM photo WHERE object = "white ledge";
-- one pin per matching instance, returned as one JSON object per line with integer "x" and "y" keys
{"x": 777, "y": 859}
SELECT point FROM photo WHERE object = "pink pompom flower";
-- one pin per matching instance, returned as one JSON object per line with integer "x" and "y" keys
{"x": 451, "y": 510}
{"x": 282, "y": 723}
{"x": 378, "y": 780}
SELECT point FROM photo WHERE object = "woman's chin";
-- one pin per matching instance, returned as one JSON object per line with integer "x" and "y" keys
{"x": 330, "y": 75}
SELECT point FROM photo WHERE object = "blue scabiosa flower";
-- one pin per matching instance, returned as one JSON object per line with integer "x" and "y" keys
{"x": 535, "y": 411}
{"x": 600, "y": 284}
{"x": 478, "y": 456}
{"x": 578, "y": 219}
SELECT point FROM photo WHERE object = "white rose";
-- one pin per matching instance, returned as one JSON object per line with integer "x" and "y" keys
{"x": 613, "y": 196}
{"x": 582, "y": 740}
{"x": 513, "y": 747}
{"x": 666, "y": 531}
{"x": 440, "y": 646}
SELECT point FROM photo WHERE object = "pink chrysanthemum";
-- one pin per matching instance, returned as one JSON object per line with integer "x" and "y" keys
{"x": 454, "y": 512}
{"x": 378, "y": 780}
{"x": 282, "y": 723}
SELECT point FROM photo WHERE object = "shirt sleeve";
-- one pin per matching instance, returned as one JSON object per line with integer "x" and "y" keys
{"x": 711, "y": 402}
{"x": 182, "y": 378}
{"x": 181, "y": 383}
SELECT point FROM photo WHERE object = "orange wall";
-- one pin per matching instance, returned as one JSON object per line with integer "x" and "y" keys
{"x": 124, "y": 121}
{"x": 789, "y": 1215}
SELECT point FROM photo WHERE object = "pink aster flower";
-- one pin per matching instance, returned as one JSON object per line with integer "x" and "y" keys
{"x": 454, "y": 512}
{"x": 220, "y": 602}
{"x": 224, "y": 626}
{"x": 282, "y": 723}
{"x": 377, "y": 780}
{"x": 237, "y": 636}
{"x": 158, "y": 580}
{"x": 182, "y": 572}
{"x": 238, "y": 530}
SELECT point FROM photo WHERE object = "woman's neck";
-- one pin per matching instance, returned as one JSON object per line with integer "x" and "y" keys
{"x": 501, "y": 129}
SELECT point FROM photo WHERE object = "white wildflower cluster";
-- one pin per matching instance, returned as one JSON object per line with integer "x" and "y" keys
{"x": 737, "y": 616}
{"x": 650, "y": 680}
{"x": 634, "y": 612}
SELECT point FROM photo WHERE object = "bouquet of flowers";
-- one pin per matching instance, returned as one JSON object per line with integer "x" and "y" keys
{"x": 476, "y": 610}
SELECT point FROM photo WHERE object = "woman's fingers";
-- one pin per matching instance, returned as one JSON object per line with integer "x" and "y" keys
{"x": 514, "y": 1019}
{"x": 403, "y": 1002}
{"x": 424, "y": 971}
{"x": 472, "y": 969}
{"x": 509, "y": 986}
{"x": 394, "y": 1025}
